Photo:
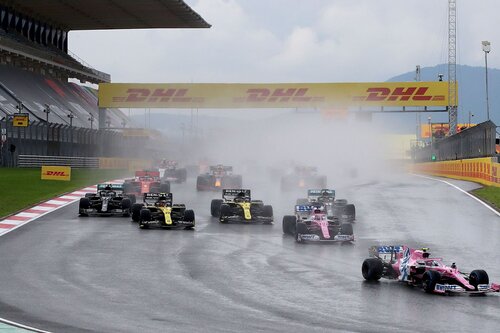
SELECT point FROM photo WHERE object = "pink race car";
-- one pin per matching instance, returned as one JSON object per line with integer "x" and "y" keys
{"x": 417, "y": 268}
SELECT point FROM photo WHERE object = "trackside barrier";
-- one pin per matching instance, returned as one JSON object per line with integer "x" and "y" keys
{"x": 124, "y": 163}
{"x": 485, "y": 171}
{"x": 37, "y": 161}
{"x": 475, "y": 142}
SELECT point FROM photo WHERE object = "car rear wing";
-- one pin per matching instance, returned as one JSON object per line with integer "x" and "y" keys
{"x": 113, "y": 187}
{"x": 220, "y": 168}
{"x": 306, "y": 169}
{"x": 313, "y": 194}
{"x": 229, "y": 194}
{"x": 147, "y": 173}
{"x": 151, "y": 198}
{"x": 305, "y": 210}
{"x": 388, "y": 253}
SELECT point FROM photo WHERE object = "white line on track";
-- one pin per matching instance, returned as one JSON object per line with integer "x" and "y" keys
{"x": 72, "y": 197}
{"x": 44, "y": 208}
{"x": 13, "y": 222}
{"x": 24, "y": 214}
{"x": 463, "y": 191}
{"x": 29, "y": 328}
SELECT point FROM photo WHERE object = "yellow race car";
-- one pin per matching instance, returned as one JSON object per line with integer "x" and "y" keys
{"x": 237, "y": 205}
{"x": 159, "y": 211}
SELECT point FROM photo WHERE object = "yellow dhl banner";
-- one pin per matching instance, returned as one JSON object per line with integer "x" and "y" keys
{"x": 272, "y": 95}
{"x": 56, "y": 172}
{"x": 485, "y": 170}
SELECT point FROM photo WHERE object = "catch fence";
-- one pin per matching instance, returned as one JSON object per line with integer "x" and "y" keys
{"x": 477, "y": 141}
{"x": 52, "y": 139}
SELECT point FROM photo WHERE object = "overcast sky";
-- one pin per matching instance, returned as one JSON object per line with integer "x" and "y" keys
{"x": 295, "y": 41}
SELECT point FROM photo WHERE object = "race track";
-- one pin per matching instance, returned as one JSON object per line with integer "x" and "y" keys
{"x": 63, "y": 273}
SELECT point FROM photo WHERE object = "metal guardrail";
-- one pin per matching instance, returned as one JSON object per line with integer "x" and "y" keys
{"x": 36, "y": 161}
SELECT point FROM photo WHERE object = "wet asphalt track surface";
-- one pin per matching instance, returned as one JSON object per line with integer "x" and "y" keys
{"x": 68, "y": 274}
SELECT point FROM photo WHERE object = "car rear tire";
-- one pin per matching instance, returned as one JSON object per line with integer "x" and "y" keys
{"x": 429, "y": 280}
{"x": 215, "y": 207}
{"x": 145, "y": 216}
{"x": 477, "y": 277}
{"x": 84, "y": 204}
{"x": 372, "y": 269}
{"x": 136, "y": 212}
{"x": 225, "y": 210}
{"x": 267, "y": 211}
{"x": 300, "y": 228}
{"x": 289, "y": 222}
{"x": 189, "y": 215}
{"x": 350, "y": 211}
{"x": 346, "y": 229}
{"x": 126, "y": 205}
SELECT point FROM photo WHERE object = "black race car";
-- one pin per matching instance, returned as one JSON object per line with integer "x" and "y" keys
{"x": 302, "y": 177}
{"x": 108, "y": 200}
{"x": 170, "y": 171}
{"x": 237, "y": 205}
{"x": 159, "y": 211}
{"x": 218, "y": 177}
{"x": 334, "y": 208}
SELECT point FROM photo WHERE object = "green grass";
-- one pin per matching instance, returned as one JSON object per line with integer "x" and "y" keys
{"x": 490, "y": 194}
{"x": 21, "y": 188}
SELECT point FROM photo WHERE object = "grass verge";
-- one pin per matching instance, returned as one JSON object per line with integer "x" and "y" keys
{"x": 21, "y": 188}
{"x": 489, "y": 194}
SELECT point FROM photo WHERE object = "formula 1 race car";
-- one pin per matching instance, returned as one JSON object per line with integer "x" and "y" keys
{"x": 302, "y": 177}
{"x": 109, "y": 200}
{"x": 159, "y": 211}
{"x": 334, "y": 208}
{"x": 218, "y": 177}
{"x": 170, "y": 172}
{"x": 237, "y": 205}
{"x": 146, "y": 181}
{"x": 311, "y": 223}
{"x": 417, "y": 268}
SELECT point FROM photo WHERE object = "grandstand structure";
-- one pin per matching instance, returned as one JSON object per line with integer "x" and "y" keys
{"x": 35, "y": 63}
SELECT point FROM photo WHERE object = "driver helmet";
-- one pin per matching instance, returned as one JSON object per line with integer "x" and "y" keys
{"x": 318, "y": 210}
{"x": 240, "y": 197}
{"x": 162, "y": 202}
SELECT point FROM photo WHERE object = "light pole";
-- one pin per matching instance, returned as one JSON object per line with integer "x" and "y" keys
{"x": 430, "y": 128}
{"x": 71, "y": 116}
{"x": 486, "y": 49}
{"x": 47, "y": 111}
{"x": 470, "y": 116}
{"x": 91, "y": 119}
